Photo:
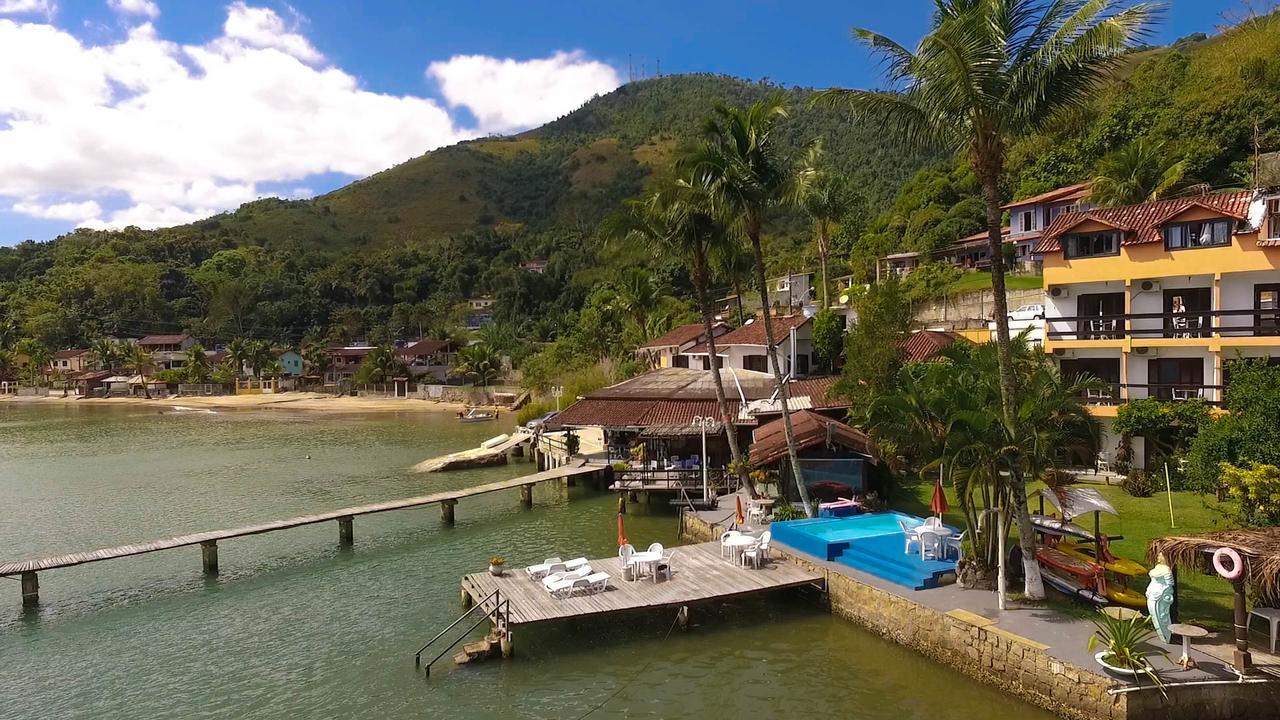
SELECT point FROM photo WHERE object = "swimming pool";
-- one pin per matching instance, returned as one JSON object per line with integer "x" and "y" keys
{"x": 872, "y": 542}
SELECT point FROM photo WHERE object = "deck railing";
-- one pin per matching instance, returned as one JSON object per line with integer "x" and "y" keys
{"x": 1189, "y": 324}
{"x": 1175, "y": 392}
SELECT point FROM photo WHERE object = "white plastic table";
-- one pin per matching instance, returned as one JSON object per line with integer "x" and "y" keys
{"x": 645, "y": 559}
{"x": 942, "y": 531}
{"x": 738, "y": 543}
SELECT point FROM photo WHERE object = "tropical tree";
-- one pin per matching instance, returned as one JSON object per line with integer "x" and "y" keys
{"x": 39, "y": 359}
{"x": 738, "y": 163}
{"x": 480, "y": 364}
{"x": 258, "y": 354}
{"x": 317, "y": 359}
{"x": 381, "y": 365}
{"x": 826, "y": 196}
{"x": 988, "y": 72}
{"x": 734, "y": 266}
{"x": 139, "y": 359}
{"x": 239, "y": 351}
{"x": 105, "y": 353}
{"x": 1137, "y": 172}
{"x": 196, "y": 369}
{"x": 685, "y": 222}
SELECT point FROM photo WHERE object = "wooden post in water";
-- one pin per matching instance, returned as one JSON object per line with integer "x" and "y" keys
{"x": 209, "y": 555}
{"x": 526, "y": 495}
{"x": 346, "y": 531}
{"x": 30, "y": 589}
{"x": 446, "y": 511}
{"x": 504, "y": 644}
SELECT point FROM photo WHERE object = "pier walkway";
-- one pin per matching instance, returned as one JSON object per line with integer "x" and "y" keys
{"x": 698, "y": 574}
{"x": 208, "y": 541}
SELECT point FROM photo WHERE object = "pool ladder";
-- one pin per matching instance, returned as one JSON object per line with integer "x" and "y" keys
{"x": 496, "y": 615}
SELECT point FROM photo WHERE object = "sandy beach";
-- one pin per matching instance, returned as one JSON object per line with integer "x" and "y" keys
{"x": 287, "y": 400}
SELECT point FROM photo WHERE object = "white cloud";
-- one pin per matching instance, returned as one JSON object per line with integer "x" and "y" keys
{"x": 146, "y": 131}
{"x": 22, "y": 7}
{"x": 506, "y": 94}
{"x": 73, "y": 211}
{"x": 135, "y": 7}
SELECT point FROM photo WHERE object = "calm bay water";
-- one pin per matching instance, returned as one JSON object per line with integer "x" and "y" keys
{"x": 295, "y": 627}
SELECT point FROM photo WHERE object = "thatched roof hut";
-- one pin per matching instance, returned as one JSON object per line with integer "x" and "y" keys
{"x": 1260, "y": 549}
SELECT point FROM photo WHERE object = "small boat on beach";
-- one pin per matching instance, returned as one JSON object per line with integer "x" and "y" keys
{"x": 477, "y": 415}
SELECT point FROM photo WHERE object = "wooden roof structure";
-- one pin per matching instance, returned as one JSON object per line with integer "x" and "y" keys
{"x": 769, "y": 442}
{"x": 1260, "y": 548}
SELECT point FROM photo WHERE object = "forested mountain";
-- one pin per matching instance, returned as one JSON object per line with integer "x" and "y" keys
{"x": 394, "y": 254}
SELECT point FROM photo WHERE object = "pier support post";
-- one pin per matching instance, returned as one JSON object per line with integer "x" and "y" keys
{"x": 526, "y": 495}
{"x": 683, "y": 617}
{"x": 346, "y": 531}
{"x": 465, "y": 598}
{"x": 30, "y": 590}
{"x": 209, "y": 556}
{"x": 446, "y": 511}
{"x": 504, "y": 643}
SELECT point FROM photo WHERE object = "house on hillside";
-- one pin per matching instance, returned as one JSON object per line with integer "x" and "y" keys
{"x": 72, "y": 361}
{"x": 1155, "y": 298}
{"x": 168, "y": 352}
{"x": 344, "y": 361}
{"x": 668, "y": 350}
{"x": 925, "y": 345}
{"x": 746, "y": 347}
{"x": 534, "y": 266}
{"x": 290, "y": 361}
{"x": 429, "y": 360}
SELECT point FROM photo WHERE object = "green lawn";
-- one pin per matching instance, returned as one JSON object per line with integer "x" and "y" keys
{"x": 971, "y": 282}
{"x": 1204, "y": 599}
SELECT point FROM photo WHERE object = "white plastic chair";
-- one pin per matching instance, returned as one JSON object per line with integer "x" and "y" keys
{"x": 655, "y": 548}
{"x": 930, "y": 544}
{"x": 725, "y": 551}
{"x": 663, "y": 566}
{"x": 956, "y": 542}
{"x": 933, "y": 521}
{"x": 912, "y": 535}
{"x": 758, "y": 552}
{"x": 1101, "y": 463}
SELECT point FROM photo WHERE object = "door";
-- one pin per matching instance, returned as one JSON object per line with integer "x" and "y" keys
{"x": 1101, "y": 316}
{"x": 1175, "y": 378}
{"x": 680, "y": 361}
{"x": 1105, "y": 369}
{"x": 1266, "y": 300}
{"x": 1186, "y": 312}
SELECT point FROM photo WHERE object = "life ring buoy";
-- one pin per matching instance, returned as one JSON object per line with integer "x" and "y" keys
{"x": 1235, "y": 571}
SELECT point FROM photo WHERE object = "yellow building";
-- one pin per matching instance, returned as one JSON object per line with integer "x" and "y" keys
{"x": 1153, "y": 298}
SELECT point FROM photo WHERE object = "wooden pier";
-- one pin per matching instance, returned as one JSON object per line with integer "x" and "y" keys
{"x": 699, "y": 574}
{"x": 208, "y": 541}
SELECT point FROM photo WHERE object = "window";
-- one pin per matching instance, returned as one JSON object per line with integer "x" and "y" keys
{"x": 757, "y": 363}
{"x": 1266, "y": 300}
{"x": 1028, "y": 223}
{"x": 1273, "y": 218}
{"x": 1092, "y": 244}
{"x": 1201, "y": 233}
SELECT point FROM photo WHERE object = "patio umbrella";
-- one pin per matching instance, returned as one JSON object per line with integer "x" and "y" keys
{"x": 738, "y": 517}
{"x": 939, "y": 502}
{"x": 622, "y": 533}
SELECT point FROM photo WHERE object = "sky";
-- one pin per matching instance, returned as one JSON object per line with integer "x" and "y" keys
{"x": 161, "y": 112}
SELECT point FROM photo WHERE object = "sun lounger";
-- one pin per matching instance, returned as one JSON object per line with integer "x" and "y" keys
{"x": 568, "y": 575}
{"x": 554, "y": 565}
{"x": 593, "y": 583}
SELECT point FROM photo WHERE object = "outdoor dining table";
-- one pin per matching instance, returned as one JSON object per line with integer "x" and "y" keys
{"x": 942, "y": 531}
{"x": 738, "y": 543}
{"x": 644, "y": 559}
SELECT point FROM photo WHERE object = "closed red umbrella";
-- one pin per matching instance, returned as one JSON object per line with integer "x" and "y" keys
{"x": 622, "y": 533}
{"x": 939, "y": 502}
{"x": 738, "y": 517}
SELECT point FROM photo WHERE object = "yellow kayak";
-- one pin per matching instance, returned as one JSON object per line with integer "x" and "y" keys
{"x": 1119, "y": 571}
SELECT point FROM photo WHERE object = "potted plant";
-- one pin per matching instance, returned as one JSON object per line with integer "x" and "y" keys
{"x": 497, "y": 566}
{"x": 1122, "y": 644}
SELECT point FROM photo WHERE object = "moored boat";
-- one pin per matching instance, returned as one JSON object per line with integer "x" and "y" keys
{"x": 477, "y": 415}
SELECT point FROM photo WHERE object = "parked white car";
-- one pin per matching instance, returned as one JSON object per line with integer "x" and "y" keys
{"x": 1034, "y": 311}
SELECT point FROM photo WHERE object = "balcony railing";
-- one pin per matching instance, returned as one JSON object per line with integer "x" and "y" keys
{"x": 1110, "y": 394}
{"x": 1191, "y": 324}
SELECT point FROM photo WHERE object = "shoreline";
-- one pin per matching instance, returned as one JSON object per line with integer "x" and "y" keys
{"x": 308, "y": 401}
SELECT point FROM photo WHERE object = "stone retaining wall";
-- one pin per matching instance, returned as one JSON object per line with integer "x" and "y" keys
{"x": 1016, "y": 665}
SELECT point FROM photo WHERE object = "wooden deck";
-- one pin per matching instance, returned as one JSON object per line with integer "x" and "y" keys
{"x": 209, "y": 539}
{"x": 698, "y": 574}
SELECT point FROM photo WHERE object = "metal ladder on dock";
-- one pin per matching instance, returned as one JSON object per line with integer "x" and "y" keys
{"x": 498, "y": 609}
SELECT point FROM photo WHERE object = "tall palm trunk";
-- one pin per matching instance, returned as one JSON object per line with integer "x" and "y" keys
{"x": 823, "y": 232}
{"x": 988, "y": 170}
{"x": 726, "y": 419}
{"x": 762, "y": 284}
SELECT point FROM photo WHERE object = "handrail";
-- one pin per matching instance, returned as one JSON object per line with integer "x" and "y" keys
{"x": 452, "y": 644}
{"x": 417, "y": 657}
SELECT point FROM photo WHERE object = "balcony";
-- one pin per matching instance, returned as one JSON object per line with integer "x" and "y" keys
{"x": 1113, "y": 394}
{"x": 1185, "y": 325}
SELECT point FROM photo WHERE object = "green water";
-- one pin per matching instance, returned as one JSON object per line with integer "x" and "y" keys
{"x": 295, "y": 627}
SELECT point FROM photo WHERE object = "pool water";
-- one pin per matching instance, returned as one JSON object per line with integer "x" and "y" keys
{"x": 857, "y": 526}
{"x": 872, "y": 542}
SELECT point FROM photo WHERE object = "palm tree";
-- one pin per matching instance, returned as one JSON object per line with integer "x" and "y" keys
{"x": 197, "y": 366}
{"x": 139, "y": 359}
{"x": 239, "y": 351}
{"x": 683, "y": 222}
{"x": 480, "y": 364}
{"x": 734, "y": 265}
{"x": 738, "y": 163}
{"x": 988, "y": 72}
{"x": 39, "y": 359}
{"x": 258, "y": 354}
{"x": 105, "y": 353}
{"x": 317, "y": 360}
{"x": 826, "y": 197}
{"x": 1137, "y": 172}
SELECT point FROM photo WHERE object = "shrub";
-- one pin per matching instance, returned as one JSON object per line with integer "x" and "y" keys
{"x": 786, "y": 511}
{"x": 1257, "y": 488}
{"x": 1139, "y": 483}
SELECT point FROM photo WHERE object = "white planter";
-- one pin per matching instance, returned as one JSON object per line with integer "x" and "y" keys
{"x": 1117, "y": 670}
{"x": 496, "y": 570}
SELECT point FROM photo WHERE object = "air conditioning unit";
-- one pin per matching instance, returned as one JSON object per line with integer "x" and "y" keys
{"x": 1058, "y": 291}
{"x": 1060, "y": 352}
{"x": 1149, "y": 285}
{"x": 1146, "y": 351}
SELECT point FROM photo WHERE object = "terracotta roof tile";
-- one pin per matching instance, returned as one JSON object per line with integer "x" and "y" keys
{"x": 606, "y": 413}
{"x": 926, "y": 344}
{"x": 753, "y": 333}
{"x": 677, "y": 336}
{"x": 769, "y": 442}
{"x": 1062, "y": 194}
{"x": 164, "y": 339}
{"x": 68, "y": 354}
{"x": 1141, "y": 223}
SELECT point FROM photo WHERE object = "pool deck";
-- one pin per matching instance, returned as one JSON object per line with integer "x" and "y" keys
{"x": 1061, "y": 636}
{"x": 698, "y": 574}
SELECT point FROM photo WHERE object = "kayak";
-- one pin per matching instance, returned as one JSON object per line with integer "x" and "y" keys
{"x": 1056, "y": 526}
{"x": 1119, "y": 571}
{"x": 1072, "y": 575}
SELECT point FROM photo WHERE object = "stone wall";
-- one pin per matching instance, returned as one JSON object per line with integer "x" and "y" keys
{"x": 971, "y": 309}
{"x": 1016, "y": 665}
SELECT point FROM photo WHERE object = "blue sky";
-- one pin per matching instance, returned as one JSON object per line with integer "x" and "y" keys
{"x": 166, "y": 111}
